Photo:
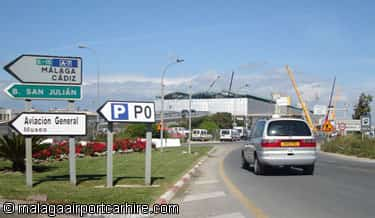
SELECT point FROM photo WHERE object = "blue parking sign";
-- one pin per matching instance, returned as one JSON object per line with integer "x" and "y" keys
{"x": 119, "y": 111}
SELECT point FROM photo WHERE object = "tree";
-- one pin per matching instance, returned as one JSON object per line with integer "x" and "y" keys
{"x": 363, "y": 106}
{"x": 12, "y": 148}
{"x": 223, "y": 120}
{"x": 209, "y": 125}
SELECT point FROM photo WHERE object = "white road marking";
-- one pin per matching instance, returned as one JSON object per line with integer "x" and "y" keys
{"x": 204, "y": 196}
{"x": 229, "y": 215}
{"x": 203, "y": 182}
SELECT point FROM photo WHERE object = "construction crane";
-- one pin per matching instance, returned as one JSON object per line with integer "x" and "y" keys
{"x": 213, "y": 83}
{"x": 327, "y": 125}
{"x": 335, "y": 100}
{"x": 303, "y": 105}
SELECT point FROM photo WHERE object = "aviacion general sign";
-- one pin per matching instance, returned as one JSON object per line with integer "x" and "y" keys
{"x": 55, "y": 124}
{"x": 46, "y": 69}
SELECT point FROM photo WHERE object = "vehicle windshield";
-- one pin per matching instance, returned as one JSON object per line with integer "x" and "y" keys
{"x": 288, "y": 128}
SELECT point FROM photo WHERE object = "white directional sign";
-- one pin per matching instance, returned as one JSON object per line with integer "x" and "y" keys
{"x": 46, "y": 69}
{"x": 129, "y": 112}
{"x": 50, "y": 124}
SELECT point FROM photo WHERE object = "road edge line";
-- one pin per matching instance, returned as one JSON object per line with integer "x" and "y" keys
{"x": 239, "y": 195}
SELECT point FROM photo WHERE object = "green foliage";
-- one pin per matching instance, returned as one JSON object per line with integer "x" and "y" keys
{"x": 12, "y": 148}
{"x": 133, "y": 131}
{"x": 223, "y": 120}
{"x": 211, "y": 126}
{"x": 363, "y": 106}
{"x": 351, "y": 145}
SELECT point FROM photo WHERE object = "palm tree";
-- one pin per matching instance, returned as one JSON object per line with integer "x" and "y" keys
{"x": 12, "y": 148}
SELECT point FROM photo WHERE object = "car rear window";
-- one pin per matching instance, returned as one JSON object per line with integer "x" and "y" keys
{"x": 225, "y": 132}
{"x": 288, "y": 128}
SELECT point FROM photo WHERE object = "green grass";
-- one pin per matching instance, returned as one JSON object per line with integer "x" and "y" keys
{"x": 351, "y": 145}
{"x": 52, "y": 178}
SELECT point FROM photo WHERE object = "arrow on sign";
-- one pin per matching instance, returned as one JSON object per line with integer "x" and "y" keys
{"x": 128, "y": 112}
{"x": 50, "y": 124}
{"x": 46, "y": 69}
{"x": 44, "y": 92}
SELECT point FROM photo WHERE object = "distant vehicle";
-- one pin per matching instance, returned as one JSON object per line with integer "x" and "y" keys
{"x": 179, "y": 131}
{"x": 200, "y": 135}
{"x": 280, "y": 142}
{"x": 229, "y": 135}
{"x": 236, "y": 135}
{"x": 242, "y": 130}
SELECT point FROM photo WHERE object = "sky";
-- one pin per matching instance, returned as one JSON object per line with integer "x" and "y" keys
{"x": 134, "y": 40}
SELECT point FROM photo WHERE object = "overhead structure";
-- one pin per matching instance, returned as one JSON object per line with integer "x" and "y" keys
{"x": 230, "y": 84}
{"x": 303, "y": 105}
{"x": 327, "y": 125}
{"x": 213, "y": 83}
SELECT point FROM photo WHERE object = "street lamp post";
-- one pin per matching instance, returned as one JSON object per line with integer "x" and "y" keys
{"x": 189, "y": 140}
{"x": 178, "y": 60}
{"x": 97, "y": 84}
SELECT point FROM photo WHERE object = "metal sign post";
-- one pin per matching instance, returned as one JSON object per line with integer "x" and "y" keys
{"x": 127, "y": 112}
{"x": 365, "y": 125}
{"x": 109, "y": 155}
{"x": 47, "y": 78}
{"x": 72, "y": 152}
{"x": 148, "y": 155}
{"x": 28, "y": 152}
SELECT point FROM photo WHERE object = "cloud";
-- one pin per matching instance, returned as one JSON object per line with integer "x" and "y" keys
{"x": 262, "y": 81}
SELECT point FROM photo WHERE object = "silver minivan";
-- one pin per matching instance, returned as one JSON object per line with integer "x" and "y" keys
{"x": 280, "y": 142}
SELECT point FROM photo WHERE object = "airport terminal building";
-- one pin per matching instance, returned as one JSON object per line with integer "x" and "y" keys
{"x": 248, "y": 107}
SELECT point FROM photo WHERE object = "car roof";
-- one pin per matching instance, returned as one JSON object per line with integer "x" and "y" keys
{"x": 282, "y": 118}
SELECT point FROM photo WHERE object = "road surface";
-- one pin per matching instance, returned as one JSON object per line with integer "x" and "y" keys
{"x": 340, "y": 188}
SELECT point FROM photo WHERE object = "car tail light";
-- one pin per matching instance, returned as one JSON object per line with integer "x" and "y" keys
{"x": 308, "y": 143}
{"x": 270, "y": 143}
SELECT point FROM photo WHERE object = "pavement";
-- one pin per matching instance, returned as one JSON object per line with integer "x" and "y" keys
{"x": 207, "y": 195}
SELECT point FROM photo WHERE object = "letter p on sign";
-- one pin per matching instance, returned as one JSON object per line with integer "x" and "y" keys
{"x": 119, "y": 111}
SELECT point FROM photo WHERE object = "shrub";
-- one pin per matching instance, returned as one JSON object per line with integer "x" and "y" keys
{"x": 351, "y": 145}
{"x": 123, "y": 144}
{"x": 12, "y": 148}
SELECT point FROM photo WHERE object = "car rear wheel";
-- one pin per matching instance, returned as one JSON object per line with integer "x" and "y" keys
{"x": 308, "y": 170}
{"x": 245, "y": 164}
{"x": 258, "y": 167}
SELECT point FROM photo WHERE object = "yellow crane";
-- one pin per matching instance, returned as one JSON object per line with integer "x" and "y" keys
{"x": 335, "y": 100}
{"x": 303, "y": 105}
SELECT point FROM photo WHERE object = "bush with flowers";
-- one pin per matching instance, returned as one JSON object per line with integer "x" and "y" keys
{"x": 60, "y": 151}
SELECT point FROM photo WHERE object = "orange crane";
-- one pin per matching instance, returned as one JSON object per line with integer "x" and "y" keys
{"x": 303, "y": 105}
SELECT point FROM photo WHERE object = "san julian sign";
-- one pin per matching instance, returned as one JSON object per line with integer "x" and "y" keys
{"x": 46, "y": 69}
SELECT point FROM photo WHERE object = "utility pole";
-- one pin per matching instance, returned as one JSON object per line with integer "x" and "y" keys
{"x": 189, "y": 139}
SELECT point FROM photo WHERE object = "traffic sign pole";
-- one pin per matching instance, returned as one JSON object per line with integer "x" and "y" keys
{"x": 28, "y": 154}
{"x": 109, "y": 155}
{"x": 72, "y": 152}
{"x": 148, "y": 155}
